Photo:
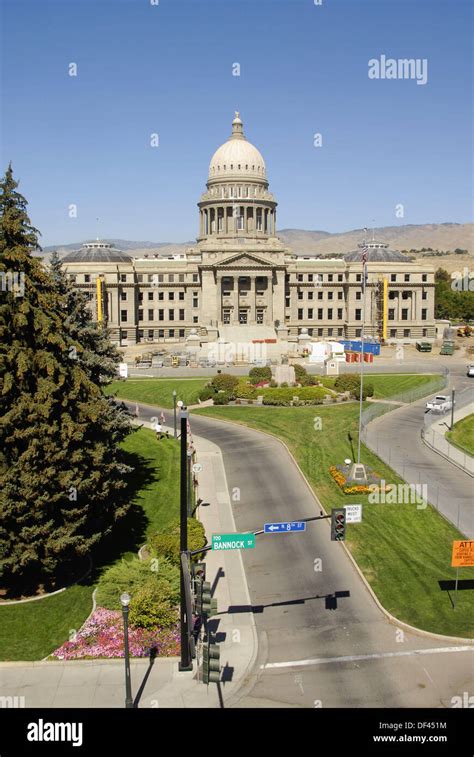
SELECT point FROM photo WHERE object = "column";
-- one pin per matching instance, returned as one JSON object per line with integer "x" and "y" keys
{"x": 252, "y": 299}
{"x": 234, "y": 315}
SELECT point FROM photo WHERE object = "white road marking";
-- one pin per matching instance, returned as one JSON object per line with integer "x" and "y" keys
{"x": 428, "y": 675}
{"x": 355, "y": 658}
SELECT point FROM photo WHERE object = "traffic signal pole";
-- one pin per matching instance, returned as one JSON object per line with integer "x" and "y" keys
{"x": 185, "y": 620}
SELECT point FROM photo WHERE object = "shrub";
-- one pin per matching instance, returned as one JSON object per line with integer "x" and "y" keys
{"x": 130, "y": 576}
{"x": 207, "y": 393}
{"x": 223, "y": 398}
{"x": 224, "y": 382}
{"x": 367, "y": 391}
{"x": 151, "y": 606}
{"x": 348, "y": 382}
{"x": 260, "y": 374}
{"x": 246, "y": 391}
{"x": 166, "y": 544}
{"x": 300, "y": 372}
{"x": 273, "y": 384}
{"x": 284, "y": 384}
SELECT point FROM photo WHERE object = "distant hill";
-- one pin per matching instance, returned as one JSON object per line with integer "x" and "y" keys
{"x": 436, "y": 236}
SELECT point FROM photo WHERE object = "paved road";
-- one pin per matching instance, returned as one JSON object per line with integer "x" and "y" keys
{"x": 395, "y": 437}
{"x": 309, "y": 618}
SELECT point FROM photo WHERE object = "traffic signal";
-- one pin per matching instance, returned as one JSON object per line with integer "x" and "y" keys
{"x": 211, "y": 663}
{"x": 338, "y": 524}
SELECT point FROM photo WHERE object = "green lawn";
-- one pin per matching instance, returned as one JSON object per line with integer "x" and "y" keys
{"x": 390, "y": 385}
{"x": 462, "y": 435}
{"x": 156, "y": 391}
{"x": 33, "y": 630}
{"x": 403, "y": 551}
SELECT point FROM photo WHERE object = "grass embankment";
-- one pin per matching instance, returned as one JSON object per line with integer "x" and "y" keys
{"x": 32, "y": 630}
{"x": 462, "y": 435}
{"x": 156, "y": 391}
{"x": 403, "y": 551}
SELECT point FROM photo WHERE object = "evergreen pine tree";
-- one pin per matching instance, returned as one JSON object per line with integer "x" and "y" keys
{"x": 62, "y": 484}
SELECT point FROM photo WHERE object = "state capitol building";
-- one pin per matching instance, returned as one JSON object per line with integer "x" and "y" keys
{"x": 240, "y": 279}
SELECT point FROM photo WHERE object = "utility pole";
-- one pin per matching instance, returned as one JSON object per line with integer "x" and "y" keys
{"x": 185, "y": 662}
{"x": 452, "y": 408}
{"x": 174, "y": 413}
{"x": 364, "y": 282}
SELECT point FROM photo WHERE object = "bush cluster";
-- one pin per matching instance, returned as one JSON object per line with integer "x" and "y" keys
{"x": 166, "y": 544}
{"x": 152, "y": 606}
{"x": 260, "y": 374}
{"x": 224, "y": 382}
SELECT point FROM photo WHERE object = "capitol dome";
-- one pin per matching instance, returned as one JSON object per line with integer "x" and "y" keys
{"x": 237, "y": 158}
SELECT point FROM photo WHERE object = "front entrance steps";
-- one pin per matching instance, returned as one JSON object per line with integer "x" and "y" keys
{"x": 246, "y": 333}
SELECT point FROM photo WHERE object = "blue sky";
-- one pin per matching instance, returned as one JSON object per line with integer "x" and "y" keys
{"x": 167, "y": 68}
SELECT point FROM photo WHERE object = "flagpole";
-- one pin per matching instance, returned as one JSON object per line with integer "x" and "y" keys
{"x": 364, "y": 275}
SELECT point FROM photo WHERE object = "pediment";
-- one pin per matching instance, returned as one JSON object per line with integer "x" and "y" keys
{"x": 244, "y": 260}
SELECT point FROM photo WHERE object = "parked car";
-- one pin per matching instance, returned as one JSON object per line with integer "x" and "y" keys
{"x": 440, "y": 404}
{"x": 447, "y": 348}
{"x": 470, "y": 370}
{"x": 423, "y": 346}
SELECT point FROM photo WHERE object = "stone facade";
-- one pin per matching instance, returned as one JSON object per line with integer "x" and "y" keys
{"x": 240, "y": 273}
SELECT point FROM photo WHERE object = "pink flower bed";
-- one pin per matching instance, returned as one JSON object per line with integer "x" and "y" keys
{"x": 102, "y": 636}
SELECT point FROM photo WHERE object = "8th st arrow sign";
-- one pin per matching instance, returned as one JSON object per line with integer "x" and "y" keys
{"x": 285, "y": 527}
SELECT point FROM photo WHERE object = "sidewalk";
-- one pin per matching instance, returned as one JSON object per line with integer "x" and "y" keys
{"x": 91, "y": 683}
{"x": 434, "y": 436}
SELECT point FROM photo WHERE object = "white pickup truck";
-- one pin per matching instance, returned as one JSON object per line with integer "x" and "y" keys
{"x": 440, "y": 404}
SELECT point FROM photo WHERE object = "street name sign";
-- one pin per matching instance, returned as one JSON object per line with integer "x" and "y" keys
{"x": 233, "y": 541}
{"x": 463, "y": 554}
{"x": 284, "y": 528}
{"x": 353, "y": 513}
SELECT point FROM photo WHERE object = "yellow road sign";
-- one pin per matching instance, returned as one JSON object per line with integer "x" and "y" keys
{"x": 463, "y": 554}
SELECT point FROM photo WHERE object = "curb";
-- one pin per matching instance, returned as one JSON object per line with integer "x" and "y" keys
{"x": 391, "y": 618}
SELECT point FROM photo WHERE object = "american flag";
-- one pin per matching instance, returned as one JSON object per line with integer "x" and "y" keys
{"x": 364, "y": 254}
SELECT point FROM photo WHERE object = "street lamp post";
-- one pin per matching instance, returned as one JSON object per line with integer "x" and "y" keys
{"x": 125, "y": 601}
{"x": 185, "y": 620}
{"x": 190, "y": 482}
{"x": 174, "y": 412}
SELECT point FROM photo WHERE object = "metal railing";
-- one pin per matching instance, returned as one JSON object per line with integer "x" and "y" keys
{"x": 436, "y": 425}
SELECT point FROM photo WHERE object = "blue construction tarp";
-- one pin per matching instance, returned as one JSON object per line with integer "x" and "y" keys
{"x": 369, "y": 347}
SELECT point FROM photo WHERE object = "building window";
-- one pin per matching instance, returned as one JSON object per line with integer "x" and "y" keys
{"x": 424, "y": 295}
{"x": 340, "y": 295}
{"x": 171, "y": 277}
{"x": 72, "y": 278}
{"x": 330, "y": 277}
{"x": 406, "y": 277}
{"x": 358, "y": 332}
{"x": 300, "y": 294}
{"x": 123, "y": 316}
{"x": 300, "y": 314}
{"x": 181, "y": 295}
{"x": 123, "y": 277}
{"x": 392, "y": 294}
{"x": 150, "y": 333}
{"x": 340, "y": 332}
{"x": 181, "y": 277}
{"x": 339, "y": 277}
{"x": 358, "y": 314}
{"x": 425, "y": 332}
{"x": 330, "y": 332}
{"x": 161, "y": 315}
{"x": 181, "y": 333}
{"x": 150, "y": 314}
{"x": 140, "y": 296}
{"x": 320, "y": 332}
{"x": 160, "y": 278}
{"x": 195, "y": 302}
{"x": 391, "y": 314}
{"x": 150, "y": 296}
{"x": 330, "y": 314}
{"x": 320, "y": 295}
{"x": 87, "y": 278}
{"x": 161, "y": 333}
{"x": 320, "y": 314}
{"x": 310, "y": 313}
{"x": 405, "y": 295}
{"x": 140, "y": 334}
{"x": 195, "y": 277}
{"x": 406, "y": 333}
{"x": 140, "y": 278}
{"x": 393, "y": 277}
{"x": 299, "y": 277}
{"x": 358, "y": 295}
{"x": 339, "y": 314}
{"x": 424, "y": 277}
{"x": 181, "y": 314}
{"x": 123, "y": 335}
{"x": 404, "y": 314}
{"x": 171, "y": 315}
{"x": 171, "y": 333}
{"x": 358, "y": 277}
{"x": 140, "y": 315}
{"x": 393, "y": 333}
{"x": 310, "y": 276}
{"x": 424, "y": 314}
{"x": 287, "y": 302}
{"x": 171, "y": 295}
{"x": 195, "y": 319}
{"x": 151, "y": 278}
{"x": 123, "y": 296}
{"x": 161, "y": 295}
{"x": 330, "y": 295}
